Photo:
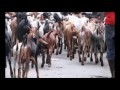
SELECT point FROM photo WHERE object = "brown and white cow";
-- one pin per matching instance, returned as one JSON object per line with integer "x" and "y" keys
{"x": 92, "y": 39}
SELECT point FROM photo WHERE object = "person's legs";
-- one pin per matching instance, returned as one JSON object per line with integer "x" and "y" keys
{"x": 110, "y": 42}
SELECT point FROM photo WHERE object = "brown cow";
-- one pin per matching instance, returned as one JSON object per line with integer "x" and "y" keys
{"x": 13, "y": 27}
{"x": 27, "y": 52}
{"x": 50, "y": 38}
{"x": 69, "y": 32}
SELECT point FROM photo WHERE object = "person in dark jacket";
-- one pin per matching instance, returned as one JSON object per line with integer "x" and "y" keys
{"x": 110, "y": 39}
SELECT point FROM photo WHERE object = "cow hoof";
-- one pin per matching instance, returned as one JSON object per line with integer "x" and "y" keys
{"x": 96, "y": 61}
{"x": 91, "y": 59}
{"x": 71, "y": 58}
{"x": 42, "y": 65}
{"x": 82, "y": 63}
{"x": 102, "y": 64}
{"x": 67, "y": 55}
{"x": 60, "y": 52}
{"x": 100, "y": 59}
{"x": 57, "y": 53}
{"x": 80, "y": 52}
{"x": 53, "y": 52}
{"x": 79, "y": 60}
{"x": 64, "y": 47}
{"x": 49, "y": 65}
{"x": 47, "y": 62}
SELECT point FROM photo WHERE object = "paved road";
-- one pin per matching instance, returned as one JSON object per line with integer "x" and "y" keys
{"x": 62, "y": 67}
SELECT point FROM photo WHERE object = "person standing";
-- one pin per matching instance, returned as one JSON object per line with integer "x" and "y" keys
{"x": 110, "y": 38}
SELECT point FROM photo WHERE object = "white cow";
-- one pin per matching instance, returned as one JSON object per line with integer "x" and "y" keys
{"x": 16, "y": 53}
{"x": 77, "y": 22}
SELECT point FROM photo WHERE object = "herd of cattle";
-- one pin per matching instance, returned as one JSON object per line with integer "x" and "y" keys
{"x": 29, "y": 34}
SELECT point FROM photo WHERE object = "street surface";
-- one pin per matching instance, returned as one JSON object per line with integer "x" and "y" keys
{"x": 62, "y": 67}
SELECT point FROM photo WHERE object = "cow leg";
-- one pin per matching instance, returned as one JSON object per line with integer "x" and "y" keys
{"x": 15, "y": 61}
{"x": 61, "y": 44}
{"x": 47, "y": 59}
{"x": 27, "y": 62}
{"x": 65, "y": 42}
{"x": 36, "y": 66}
{"x": 32, "y": 64}
{"x": 9, "y": 60}
{"x": 88, "y": 51}
{"x": 11, "y": 72}
{"x": 49, "y": 56}
{"x": 13, "y": 39}
{"x": 79, "y": 55}
{"x": 101, "y": 58}
{"x": 82, "y": 63}
{"x": 19, "y": 69}
{"x": 26, "y": 67}
{"x": 84, "y": 54}
{"x": 68, "y": 50}
{"x": 43, "y": 59}
{"x": 96, "y": 58}
{"x": 71, "y": 48}
{"x": 79, "y": 48}
{"x": 91, "y": 51}
{"x": 57, "y": 45}
{"x": 39, "y": 49}
{"x": 96, "y": 44}
{"x": 74, "y": 45}
{"x": 23, "y": 74}
{"x": 101, "y": 52}
{"x": 53, "y": 50}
